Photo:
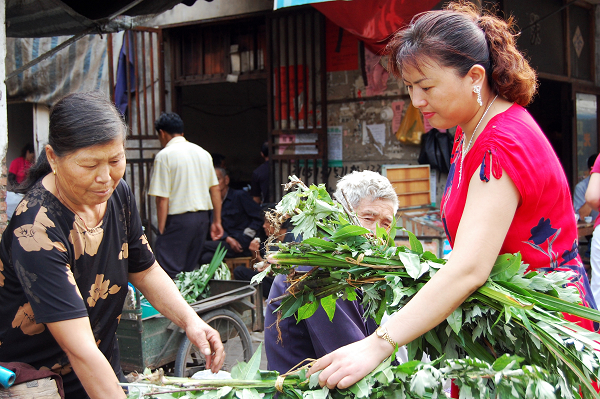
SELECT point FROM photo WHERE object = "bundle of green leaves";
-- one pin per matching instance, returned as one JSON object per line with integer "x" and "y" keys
{"x": 513, "y": 314}
{"x": 415, "y": 379}
{"x": 193, "y": 285}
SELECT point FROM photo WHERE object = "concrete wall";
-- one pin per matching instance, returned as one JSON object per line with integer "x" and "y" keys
{"x": 356, "y": 110}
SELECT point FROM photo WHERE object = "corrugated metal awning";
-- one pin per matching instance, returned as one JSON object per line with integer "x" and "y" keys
{"x": 43, "y": 18}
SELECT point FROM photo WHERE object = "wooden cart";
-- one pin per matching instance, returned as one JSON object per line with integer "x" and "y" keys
{"x": 233, "y": 308}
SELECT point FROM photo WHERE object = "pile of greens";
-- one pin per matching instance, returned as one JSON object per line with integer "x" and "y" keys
{"x": 515, "y": 314}
{"x": 413, "y": 379}
{"x": 194, "y": 285}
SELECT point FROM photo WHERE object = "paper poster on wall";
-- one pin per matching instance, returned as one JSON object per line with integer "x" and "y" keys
{"x": 306, "y": 149}
{"x": 334, "y": 143}
{"x": 283, "y": 140}
{"x": 397, "y": 107}
{"x": 374, "y": 135}
{"x": 377, "y": 76}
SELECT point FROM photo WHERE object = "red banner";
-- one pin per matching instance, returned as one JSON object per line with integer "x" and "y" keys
{"x": 373, "y": 21}
{"x": 341, "y": 48}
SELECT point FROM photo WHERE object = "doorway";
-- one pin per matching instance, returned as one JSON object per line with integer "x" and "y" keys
{"x": 228, "y": 119}
{"x": 552, "y": 110}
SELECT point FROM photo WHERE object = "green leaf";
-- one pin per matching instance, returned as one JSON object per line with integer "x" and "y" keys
{"x": 506, "y": 360}
{"x": 413, "y": 348}
{"x": 506, "y": 266}
{"x": 351, "y": 293}
{"x": 392, "y": 234}
{"x": 305, "y": 224}
{"x": 313, "y": 380}
{"x": 361, "y": 389}
{"x": 474, "y": 349}
{"x": 290, "y": 393}
{"x": 423, "y": 380}
{"x": 413, "y": 264}
{"x": 380, "y": 232}
{"x": 328, "y": 304}
{"x": 320, "y": 394}
{"x": 409, "y": 367}
{"x": 250, "y": 370}
{"x": 221, "y": 392}
{"x": 288, "y": 203}
{"x": 432, "y": 338}
{"x": 414, "y": 242}
{"x": 321, "y": 243}
{"x": 248, "y": 394}
{"x": 502, "y": 298}
{"x": 348, "y": 231}
{"x": 455, "y": 320}
{"x": 400, "y": 292}
{"x": 560, "y": 305}
{"x": 290, "y": 305}
{"x": 257, "y": 278}
{"x": 551, "y": 345}
{"x": 380, "y": 312}
{"x": 307, "y": 310}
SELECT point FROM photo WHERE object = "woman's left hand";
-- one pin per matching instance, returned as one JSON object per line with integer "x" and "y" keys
{"x": 208, "y": 340}
{"x": 350, "y": 363}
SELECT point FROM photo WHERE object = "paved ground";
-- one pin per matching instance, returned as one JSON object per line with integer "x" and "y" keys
{"x": 257, "y": 338}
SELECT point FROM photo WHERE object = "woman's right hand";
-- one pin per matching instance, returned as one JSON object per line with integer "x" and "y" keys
{"x": 341, "y": 368}
{"x": 208, "y": 340}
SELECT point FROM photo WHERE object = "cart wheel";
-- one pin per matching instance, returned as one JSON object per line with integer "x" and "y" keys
{"x": 235, "y": 337}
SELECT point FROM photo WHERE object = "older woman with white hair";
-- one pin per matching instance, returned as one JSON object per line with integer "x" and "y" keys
{"x": 375, "y": 202}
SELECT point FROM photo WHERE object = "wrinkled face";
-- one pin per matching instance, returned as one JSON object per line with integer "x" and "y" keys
{"x": 444, "y": 98}
{"x": 223, "y": 181}
{"x": 375, "y": 212}
{"x": 90, "y": 175}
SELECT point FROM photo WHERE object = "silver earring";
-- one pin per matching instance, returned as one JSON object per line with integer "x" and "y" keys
{"x": 477, "y": 90}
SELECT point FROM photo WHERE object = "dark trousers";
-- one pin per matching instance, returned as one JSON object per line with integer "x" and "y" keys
{"x": 178, "y": 248}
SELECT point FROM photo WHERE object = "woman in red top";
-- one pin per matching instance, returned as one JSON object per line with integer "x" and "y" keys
{"x": 19, "y": 166}
{"x": 506, "y": 189}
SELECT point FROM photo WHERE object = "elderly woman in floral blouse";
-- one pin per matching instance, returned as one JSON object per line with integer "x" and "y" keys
{"x": 73, "y": 244}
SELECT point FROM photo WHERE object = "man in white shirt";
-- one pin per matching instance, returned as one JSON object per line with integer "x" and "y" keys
{"x": 186, "y": 188}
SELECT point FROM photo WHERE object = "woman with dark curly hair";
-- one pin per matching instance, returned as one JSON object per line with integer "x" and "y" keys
{"x": 506, "y": 190}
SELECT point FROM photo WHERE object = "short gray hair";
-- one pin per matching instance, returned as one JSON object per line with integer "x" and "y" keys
{"x": 222, "y": 170}
{"x": 366, "y": 184}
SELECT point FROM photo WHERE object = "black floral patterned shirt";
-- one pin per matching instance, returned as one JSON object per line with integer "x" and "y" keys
{"x": 53, "y": 269}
